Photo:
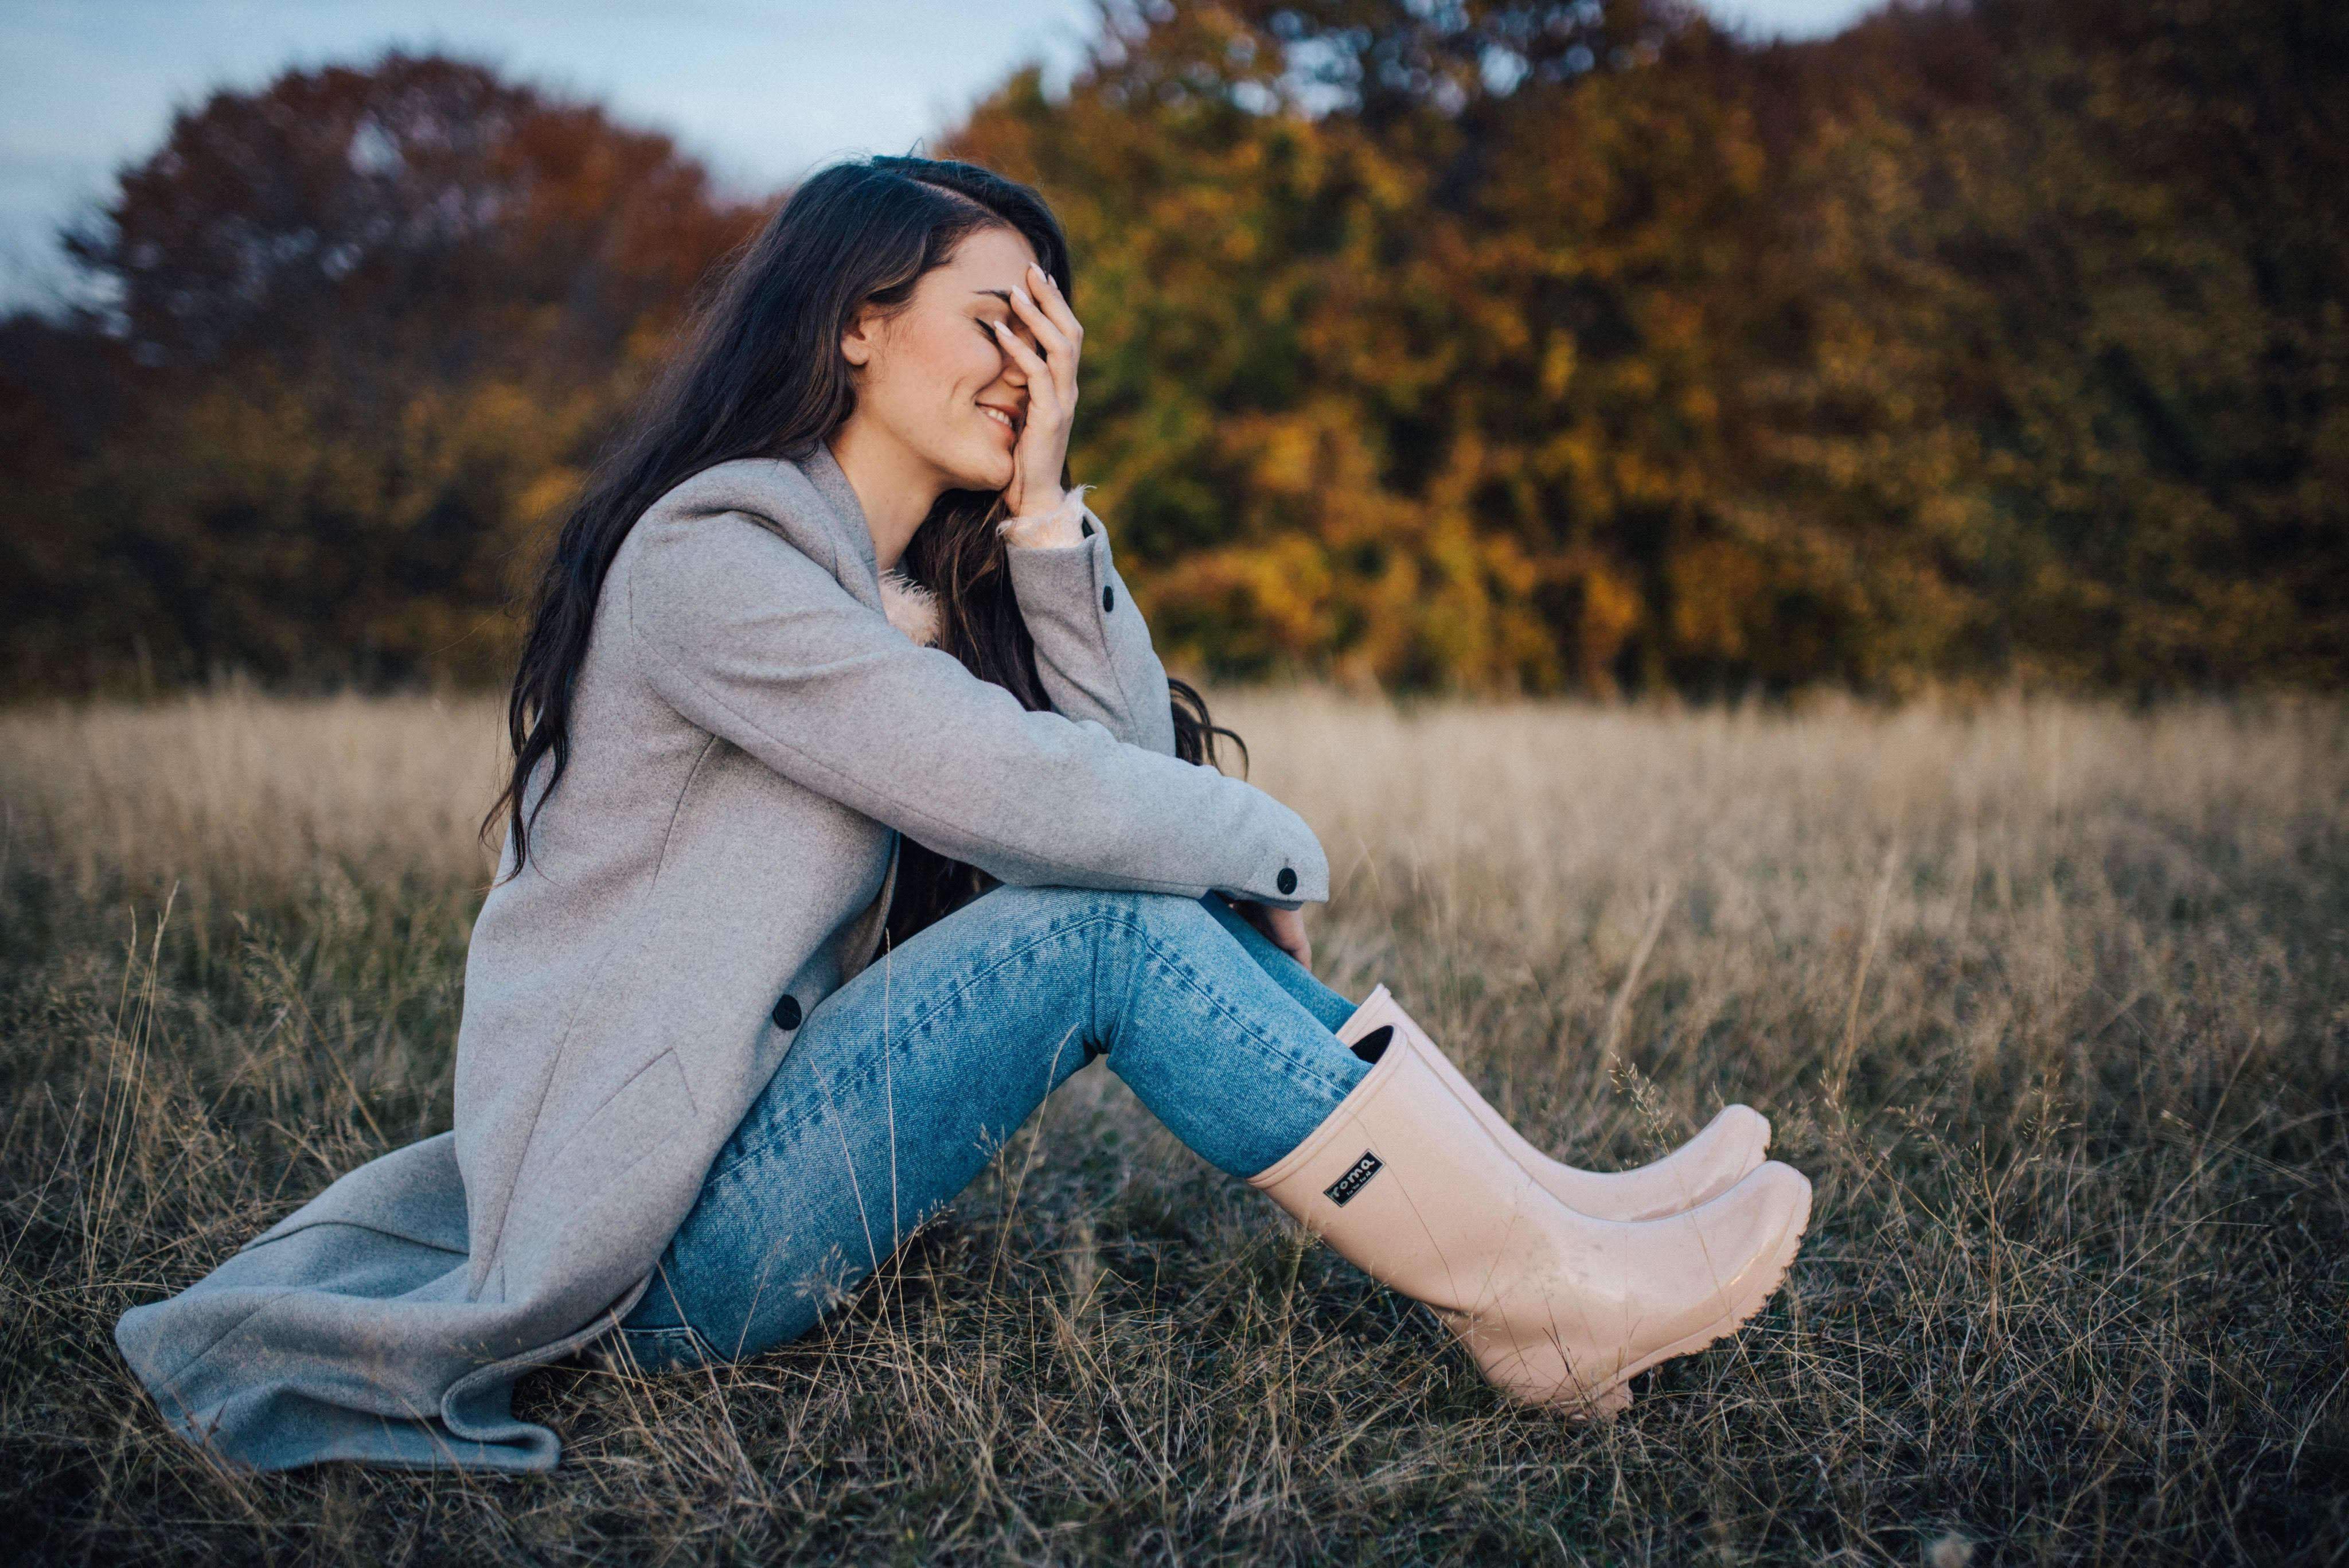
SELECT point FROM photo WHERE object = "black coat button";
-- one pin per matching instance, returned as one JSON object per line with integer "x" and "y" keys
{"x": 1086, "y": 528}
{"x": 1109, "y": 596}
{"x": 1287, "y": 881}
{"x": 787, "y": 1011}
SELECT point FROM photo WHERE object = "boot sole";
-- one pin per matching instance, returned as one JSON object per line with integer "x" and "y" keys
{"x": 1612, "y": 1397}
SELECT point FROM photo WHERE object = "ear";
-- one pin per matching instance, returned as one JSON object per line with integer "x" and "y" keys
{"x": 862, "y": 337}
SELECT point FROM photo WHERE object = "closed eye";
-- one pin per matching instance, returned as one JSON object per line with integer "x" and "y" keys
{"x": 1014, "y": 322}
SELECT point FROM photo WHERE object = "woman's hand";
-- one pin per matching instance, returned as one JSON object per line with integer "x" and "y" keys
{"x": 1043, "y": 448}
{"x": 1283, "y": 928}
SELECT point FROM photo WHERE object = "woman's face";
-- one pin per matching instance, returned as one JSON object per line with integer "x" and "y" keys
{"x": 934, "y": 379}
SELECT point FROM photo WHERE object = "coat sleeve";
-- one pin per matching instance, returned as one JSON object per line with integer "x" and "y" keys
{"x": 1092, "y": 646}
{"x": 748, "y": 637}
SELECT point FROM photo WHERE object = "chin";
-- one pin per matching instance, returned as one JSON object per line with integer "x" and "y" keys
{"x": 963, "y": 473}
{"x": 992, "y": 475}
{"x": 981, "y": 482}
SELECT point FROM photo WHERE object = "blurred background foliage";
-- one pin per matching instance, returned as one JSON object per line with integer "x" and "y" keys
{"x": 1441, "y": 345}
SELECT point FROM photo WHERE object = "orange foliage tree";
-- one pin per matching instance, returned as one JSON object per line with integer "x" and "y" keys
{"x": 1493, "y": 345}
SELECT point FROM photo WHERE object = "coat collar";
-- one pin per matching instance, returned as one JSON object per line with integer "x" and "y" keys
{"x": 911, "y": 607}
{"x": 823, "y": 470}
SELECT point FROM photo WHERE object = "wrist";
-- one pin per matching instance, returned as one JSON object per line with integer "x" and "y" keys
{"x": 1044, "y": 526}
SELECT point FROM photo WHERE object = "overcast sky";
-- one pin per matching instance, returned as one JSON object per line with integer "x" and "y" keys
{"x": 759, "y": 91}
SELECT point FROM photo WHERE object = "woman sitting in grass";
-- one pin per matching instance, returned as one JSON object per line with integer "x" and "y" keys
{"x": 852, "y": 811}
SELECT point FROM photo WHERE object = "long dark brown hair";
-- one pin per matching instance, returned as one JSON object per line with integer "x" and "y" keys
{"x": 760, "y": 374}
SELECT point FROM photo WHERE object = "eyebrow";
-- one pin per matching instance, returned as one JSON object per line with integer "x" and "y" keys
{"x": 1002, "y": 294}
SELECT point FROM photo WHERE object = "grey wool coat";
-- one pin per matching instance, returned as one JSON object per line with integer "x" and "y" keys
{"x": 750, "y": 737}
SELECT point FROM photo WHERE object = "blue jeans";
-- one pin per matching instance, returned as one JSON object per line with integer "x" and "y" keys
{"x": 903, "y": 1083}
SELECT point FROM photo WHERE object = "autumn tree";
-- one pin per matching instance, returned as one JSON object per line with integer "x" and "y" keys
{"x": 1488, "y": 344}
{"x": 1493, "y": 343}
{"x": 375, "y": 317}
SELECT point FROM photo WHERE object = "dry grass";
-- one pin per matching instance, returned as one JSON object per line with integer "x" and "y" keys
{"x": 2052, "y": 1000}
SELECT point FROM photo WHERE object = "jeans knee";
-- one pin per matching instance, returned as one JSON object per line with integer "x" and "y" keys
{"x": 1179, "y": 916}
{"x": 1168, "y": 919}
{"x": 1118, "y": 925}
{"x": 1052, "y": 903}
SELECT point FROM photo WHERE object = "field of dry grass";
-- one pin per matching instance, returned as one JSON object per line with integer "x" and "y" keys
{"x": 2052, "y": 1002}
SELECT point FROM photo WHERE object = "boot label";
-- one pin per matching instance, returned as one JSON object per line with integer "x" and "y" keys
{"x": 1340, "y": 1190}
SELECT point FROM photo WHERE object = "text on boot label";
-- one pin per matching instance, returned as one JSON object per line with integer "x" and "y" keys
{"x": 1346, "y": 1186}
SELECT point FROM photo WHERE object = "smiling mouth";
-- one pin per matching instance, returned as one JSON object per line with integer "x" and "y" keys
{"x": 999, "y": 417}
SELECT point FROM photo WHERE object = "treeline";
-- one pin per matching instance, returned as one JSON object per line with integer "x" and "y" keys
{"x": 1539, "y": 347}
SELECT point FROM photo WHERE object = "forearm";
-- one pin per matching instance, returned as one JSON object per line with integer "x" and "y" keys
{"x": 750, "y": 640}
{"x": 1092, "y": 646}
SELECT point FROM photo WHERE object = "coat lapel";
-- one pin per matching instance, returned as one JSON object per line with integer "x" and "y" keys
{"x": 822, "y": 470}
{"x": 911, "y": 607}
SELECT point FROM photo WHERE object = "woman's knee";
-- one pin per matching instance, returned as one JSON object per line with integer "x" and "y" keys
{"x": 1102, "y": 933}
{"x": 1052, "y": 905}
{"x": 1055, "y": 897}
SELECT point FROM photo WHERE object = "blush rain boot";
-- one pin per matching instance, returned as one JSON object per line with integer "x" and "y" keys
{"x": 1561, "y": 1310}
{"x": 1701, "y": 1170}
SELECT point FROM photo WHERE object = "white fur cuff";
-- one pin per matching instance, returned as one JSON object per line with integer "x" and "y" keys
{"x": 1060, "y": 526}
{"x": 911, "y": 607}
